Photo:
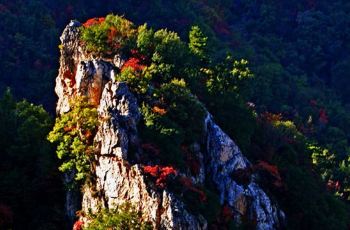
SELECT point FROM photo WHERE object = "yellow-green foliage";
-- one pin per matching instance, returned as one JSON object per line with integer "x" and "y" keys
{"x": 168, "y": 47}
{"x": 73, "y": 132}
{"x": 198, "y": 42}
{"x": 228, "y": 76}
{"x": 145, "y": 39}
{"x": 137, "y": 82}
{"x": 125, "y": 217}
{"x": 322, "y": 160}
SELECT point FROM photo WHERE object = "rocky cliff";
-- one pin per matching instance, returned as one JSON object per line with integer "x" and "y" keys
{"x": 119, "y": 179}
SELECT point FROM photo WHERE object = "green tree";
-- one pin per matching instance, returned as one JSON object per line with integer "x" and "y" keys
{"x": 145, "y": 42}
{"x": 27, "y": 169}
{"x": 198, "y": 43}
{"x": 74, "y": 132}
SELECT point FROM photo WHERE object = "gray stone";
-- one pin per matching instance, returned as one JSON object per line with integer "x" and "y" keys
{"x": 224, "y": 158}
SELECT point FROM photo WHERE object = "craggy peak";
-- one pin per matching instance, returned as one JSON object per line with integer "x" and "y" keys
{"x": 186, "y": 115}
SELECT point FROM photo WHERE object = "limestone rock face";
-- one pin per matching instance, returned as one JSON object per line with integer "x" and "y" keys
{"x": 225, "y": 158}
{"x": 119, "y": 176}
{"x": 70, "y": 56}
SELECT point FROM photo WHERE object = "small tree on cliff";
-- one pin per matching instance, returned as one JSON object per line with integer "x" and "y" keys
{"x": 74, "y": 132}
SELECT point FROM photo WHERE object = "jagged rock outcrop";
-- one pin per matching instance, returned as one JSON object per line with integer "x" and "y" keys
{"x": 225, "y": 158}
{"x": 117, "y": 181}
{"x": 119, "y": 177}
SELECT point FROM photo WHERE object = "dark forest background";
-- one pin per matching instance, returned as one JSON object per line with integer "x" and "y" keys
{"x": 298, "y": 50}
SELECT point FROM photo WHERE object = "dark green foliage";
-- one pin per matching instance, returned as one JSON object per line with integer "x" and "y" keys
{"x": 303, "y": 198}
{"x": 125, "y": 217}
{"x": 234, "y": 117}
{"x": 229, "y": 77}
{"x": 28, "y": 50}
{"x": 183, "y": 108}
{"x": 27, "y": 168}
{"x": 176, "y": 118}
{"x": 165, "y": 133}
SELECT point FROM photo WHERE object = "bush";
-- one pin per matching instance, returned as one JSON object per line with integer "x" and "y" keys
{"x": 108, "y": 36}
{"x": 125, "y": 217}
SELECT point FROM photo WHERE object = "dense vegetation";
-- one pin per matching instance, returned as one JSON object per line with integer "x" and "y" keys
{"x": 298, "y": 114}
{"x": 29, "y": 178}
{"x": 125, "y": 217}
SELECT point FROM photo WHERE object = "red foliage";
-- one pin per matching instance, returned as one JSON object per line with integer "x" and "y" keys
{"x": 165, "y": 173}
{"x": 133, "y": 63}
{"x": 152, "y": 170}
{"x": 112, "y": 33}
{"x": 135, "y": 53}
{"x": 160, "y": 173}
{"x": 168, "y": 170}
{"x": 151, "y": 148}
{"x": 159, "y": 110}
{"x": 323, "y": 118}
{"x": 70, "y": 75}
{"x": 93, "y": 21}
{"x": 88, "y": 134}
{"x": 271, "y": 117}
{"x": 69, "y": 128}
{"x": 78, "y": 225}
{"x": 333, "y": 185}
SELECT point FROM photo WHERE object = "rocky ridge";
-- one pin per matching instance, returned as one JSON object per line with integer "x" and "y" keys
{"x": 118, "y": 180}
